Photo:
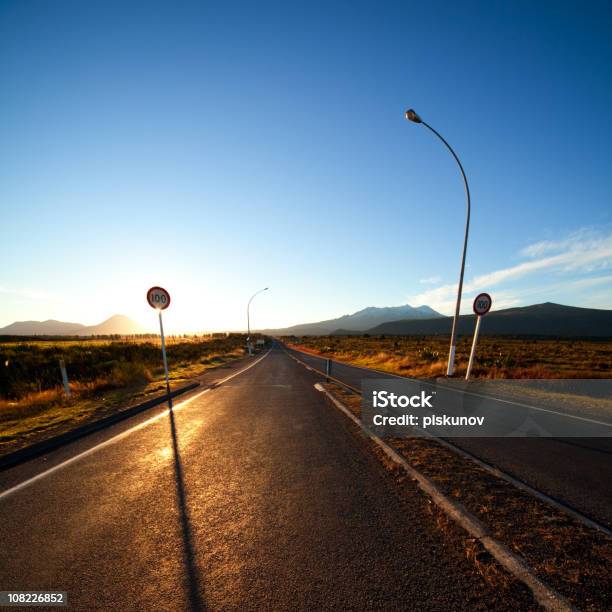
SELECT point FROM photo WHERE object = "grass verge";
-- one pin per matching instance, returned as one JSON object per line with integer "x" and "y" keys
{"x": 497, "y": 356}
{"x": 45, "y": 414}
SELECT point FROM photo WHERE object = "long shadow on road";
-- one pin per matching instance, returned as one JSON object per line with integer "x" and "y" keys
{"x": 194, "y": 586}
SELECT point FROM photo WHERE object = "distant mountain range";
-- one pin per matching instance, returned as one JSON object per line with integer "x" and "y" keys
{"x": 546, "y": 319}
{"x": 117, "y": 324}
{"x": 358, "y": 321}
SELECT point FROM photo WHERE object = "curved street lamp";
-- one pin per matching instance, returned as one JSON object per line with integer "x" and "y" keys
{"x": 249, "y": 316}
{"x": 412, "y": 115}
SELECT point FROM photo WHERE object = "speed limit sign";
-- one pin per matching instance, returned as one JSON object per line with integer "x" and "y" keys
{"x": 482, "y": 304}
{"x": 158, "y": 298}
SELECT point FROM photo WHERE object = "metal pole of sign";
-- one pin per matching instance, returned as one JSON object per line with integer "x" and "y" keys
{"x": 159, "y": 299}
{"x": 65, "y": 378}
{"x": 163, "y": 343}
{"x": 473, "y": 351}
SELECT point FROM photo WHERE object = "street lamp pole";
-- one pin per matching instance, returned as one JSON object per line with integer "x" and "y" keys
{"x": 411, "y": 115}
{"x": 249, "y": 316}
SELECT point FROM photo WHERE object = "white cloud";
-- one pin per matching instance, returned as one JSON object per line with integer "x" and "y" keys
{"x": 591, "y": 282}
{"x": 432, "y": 280}
{"x": 554, "y": 246}
{"x": 584, "y": 251}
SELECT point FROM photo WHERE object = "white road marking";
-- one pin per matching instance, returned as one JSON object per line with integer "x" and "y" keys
{"x": 123, "y": 434}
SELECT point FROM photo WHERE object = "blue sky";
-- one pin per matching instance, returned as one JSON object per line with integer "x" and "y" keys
{"x": 216, "y": 148}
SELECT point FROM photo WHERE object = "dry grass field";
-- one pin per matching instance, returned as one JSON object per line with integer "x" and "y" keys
{"x": 497, "y": 357}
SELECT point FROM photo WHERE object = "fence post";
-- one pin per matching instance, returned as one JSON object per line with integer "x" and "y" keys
{"x": 65, "y": 378}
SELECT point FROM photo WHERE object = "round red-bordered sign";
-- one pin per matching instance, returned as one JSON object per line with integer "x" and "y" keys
{"x": 158, "y": 298}
{"x": 482, "y": 304}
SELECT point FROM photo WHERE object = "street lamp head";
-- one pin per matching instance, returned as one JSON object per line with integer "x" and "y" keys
{"x": 411, "y": 115}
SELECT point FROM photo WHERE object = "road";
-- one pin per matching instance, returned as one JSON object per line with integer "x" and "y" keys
{"x": 252, "y": 495}
{"x": 575, "y": 471}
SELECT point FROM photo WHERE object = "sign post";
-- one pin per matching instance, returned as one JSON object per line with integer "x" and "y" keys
{"x": 482, "y": 305}
{"x": 159, "y": 299}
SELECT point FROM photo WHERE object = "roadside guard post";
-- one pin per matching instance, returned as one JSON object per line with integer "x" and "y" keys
{"x": 327, "y": 369}
{"x": 65, "y": 378}
{"x": 159, "y": 299}
{"x": 482, "y": 305}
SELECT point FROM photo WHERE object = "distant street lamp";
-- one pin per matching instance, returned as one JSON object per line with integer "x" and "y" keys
{"x": 249, "y": 317}
{"x": 411, "y": 115}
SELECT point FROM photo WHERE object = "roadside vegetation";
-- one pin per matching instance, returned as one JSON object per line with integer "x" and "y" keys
{"x": 105, "y": 375}
{"x": 496, "y": 357}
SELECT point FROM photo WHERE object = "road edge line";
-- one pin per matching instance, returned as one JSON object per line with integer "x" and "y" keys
{"x": 124, "y": 434}
{"x": 26, "y": 453}
{"x": 547, "y": 597}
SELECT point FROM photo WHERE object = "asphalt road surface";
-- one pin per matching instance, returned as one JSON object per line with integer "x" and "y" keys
{"x": 575, "y": 471}
{"x": 253, "y": 495}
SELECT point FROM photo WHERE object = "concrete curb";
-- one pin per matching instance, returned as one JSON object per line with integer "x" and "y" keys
{"x": 40, "y": 448}
{"x": 548, "y": 598}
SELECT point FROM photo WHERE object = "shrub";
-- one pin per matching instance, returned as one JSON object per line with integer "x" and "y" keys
{"x": 127, "y": 373}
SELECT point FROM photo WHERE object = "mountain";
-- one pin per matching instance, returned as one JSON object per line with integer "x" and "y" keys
{"x": 41, "y": 328}
{"x": 358, "y": 321}
{"x": 546, "y": 319}
{"x": 117, "y": 324}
